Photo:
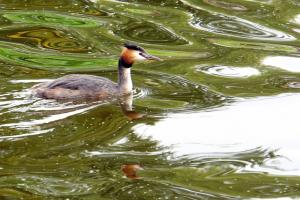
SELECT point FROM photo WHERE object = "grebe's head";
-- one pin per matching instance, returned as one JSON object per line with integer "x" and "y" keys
{"x": 132, "y": 53}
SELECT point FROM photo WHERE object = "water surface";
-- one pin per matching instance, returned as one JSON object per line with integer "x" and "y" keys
{"x": 220, "y": 112}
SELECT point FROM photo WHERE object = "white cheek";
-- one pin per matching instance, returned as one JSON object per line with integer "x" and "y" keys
{"x": 138, "y": 57}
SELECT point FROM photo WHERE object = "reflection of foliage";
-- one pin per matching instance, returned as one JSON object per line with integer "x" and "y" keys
{"x": 52, "y": 61}
{"x": 47, "y": 38}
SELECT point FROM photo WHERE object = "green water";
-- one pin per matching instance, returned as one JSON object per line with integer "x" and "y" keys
{"x": 221, "y": 111}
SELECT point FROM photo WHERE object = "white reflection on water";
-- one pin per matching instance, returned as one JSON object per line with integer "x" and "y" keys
{"x": 287, "y": 63}
{"x": 297, "y": 19}
{"x": 31, "y": 124}
{"x": 33, "y": 133}
{"x": 269, "y": 122}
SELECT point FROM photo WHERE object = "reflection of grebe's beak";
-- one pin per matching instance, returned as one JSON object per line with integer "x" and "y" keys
{"x": 149, "y": 57}
{"x": 132, "y": 115}
{"x": 130, "y": 170}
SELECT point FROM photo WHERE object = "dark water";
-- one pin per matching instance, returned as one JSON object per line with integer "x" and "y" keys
{"x": 221, "y": 112}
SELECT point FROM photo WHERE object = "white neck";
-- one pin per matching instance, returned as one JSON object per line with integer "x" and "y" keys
{"x": 124, "y": 80}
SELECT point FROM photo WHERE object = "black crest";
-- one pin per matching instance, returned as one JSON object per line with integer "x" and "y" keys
{"x": 133, "y": 47}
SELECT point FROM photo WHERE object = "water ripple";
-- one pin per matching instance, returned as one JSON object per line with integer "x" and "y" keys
{"x": 50, "y": 18}
{"x": 146, "y": 32}
{"x": 150, "y": 94}
{"x": 192, "y": 140}
{"x": 31, "y": 57}
{"x": 241, "y": 28}
{"x": 253, "y": 45}
{"x": 226, "y": 5}
{"x": 49, "y": 39}
{"x": 229, "y": 71}
{"x": 55, "y": 186}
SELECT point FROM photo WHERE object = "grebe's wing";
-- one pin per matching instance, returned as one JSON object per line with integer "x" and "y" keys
{"x": 82, "y": 82}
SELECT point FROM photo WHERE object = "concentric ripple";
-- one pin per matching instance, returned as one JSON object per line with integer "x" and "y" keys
{"x": 229, "y": 71}
{"x": 149, "y": 33}
{"x": 49, "y": 39}
{"x": 237, "y": 27}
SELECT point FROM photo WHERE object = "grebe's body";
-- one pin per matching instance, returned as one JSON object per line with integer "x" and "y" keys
{"x": 77, "y": 86}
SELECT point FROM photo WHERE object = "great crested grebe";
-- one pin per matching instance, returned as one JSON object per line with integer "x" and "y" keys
{"x": 77, "y": 86}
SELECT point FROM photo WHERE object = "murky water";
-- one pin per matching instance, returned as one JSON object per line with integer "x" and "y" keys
{"x": 220, "y": 112}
